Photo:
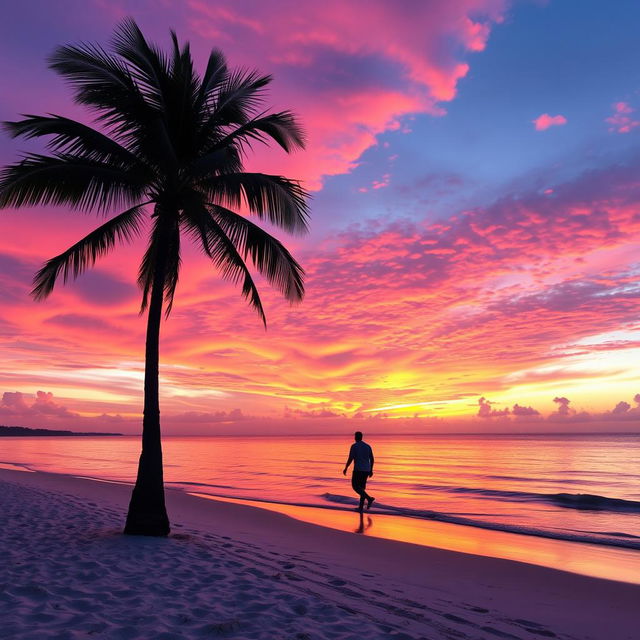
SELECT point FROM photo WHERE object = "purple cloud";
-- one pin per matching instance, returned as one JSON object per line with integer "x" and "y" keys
{"x": 485, "y": 410}
{"x": 563, "y": 406}
{"x": 524, "y": 411}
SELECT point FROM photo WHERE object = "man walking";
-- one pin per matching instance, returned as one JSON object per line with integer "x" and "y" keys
{"x": 361, "y": 455}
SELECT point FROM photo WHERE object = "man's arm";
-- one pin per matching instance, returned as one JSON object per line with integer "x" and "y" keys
{"x": 349, "y": 461}
{"x": 372, "y": 461}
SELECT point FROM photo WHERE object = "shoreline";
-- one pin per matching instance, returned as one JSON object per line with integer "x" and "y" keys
{"x": 359, "y": 579}
{"x": 585, "y": 504}
{"x": 602, "y": 561}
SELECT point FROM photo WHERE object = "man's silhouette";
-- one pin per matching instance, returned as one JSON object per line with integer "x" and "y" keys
{"x": 362, "y": 457}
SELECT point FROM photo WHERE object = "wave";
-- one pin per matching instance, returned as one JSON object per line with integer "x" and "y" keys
{"x": 346, "y": 503}
{"x": 554, "y": 480}
{"x": 200, "y": 484}
{"x": 582, "y": 501}
{"x": 608, "y": 538}
{"x": 15, "y": 466}
{"x": 592, "y": 502}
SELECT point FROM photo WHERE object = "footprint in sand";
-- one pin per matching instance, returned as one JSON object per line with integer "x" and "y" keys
{"x": 454, "y": 618}
{"x": 336, "y": 582}
{"x": 300, "y": 609}
{"x": 500, "y": 634}
{"x": 535, "y": 628}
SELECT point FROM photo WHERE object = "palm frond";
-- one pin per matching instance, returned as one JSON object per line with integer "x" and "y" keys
{"x": 148, "y": 65}
{"x": 92, "y": 72}
{"x": 184, "y": 114}
{"x": 223, "y": 160}
{"x": 78, "y": 182}
{"x": 172, "y": 267}
{"x": 238, "y": 97}
{"x": 281, "y": 201}
{"x": 72, "y": 137}
{"x": 146, "y": 270}
{"x": 267, "y": 253}
{"x": 161, "y": 260}
{"x": 169, "y": 84}
{"x": 83, "y": 254}
{"x": 214, "y": 76}
{"x": 103, "y": 83}
{"x": 182, "y": 64}
{"x": 213, "y": 241}
{"x": 280, "y": 127}
{"x": 99, "y": 80}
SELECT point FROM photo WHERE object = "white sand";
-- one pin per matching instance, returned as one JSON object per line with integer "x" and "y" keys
{"x": 233, "y": 571}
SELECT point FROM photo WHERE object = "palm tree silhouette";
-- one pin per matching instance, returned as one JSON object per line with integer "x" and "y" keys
{"x": 174, "y": 140}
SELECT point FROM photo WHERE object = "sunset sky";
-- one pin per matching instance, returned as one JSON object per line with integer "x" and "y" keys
{"x": 474, "y": 251}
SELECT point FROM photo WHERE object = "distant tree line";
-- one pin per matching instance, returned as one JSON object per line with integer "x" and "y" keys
{"x": 26, "y": 431}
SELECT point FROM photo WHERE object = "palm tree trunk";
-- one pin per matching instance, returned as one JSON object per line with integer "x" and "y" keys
{"x": 147, "y": 512}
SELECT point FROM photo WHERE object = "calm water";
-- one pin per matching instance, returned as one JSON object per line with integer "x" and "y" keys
{"x": 582, "y": 488}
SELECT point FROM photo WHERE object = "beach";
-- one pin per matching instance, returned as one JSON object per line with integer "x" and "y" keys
{"x": 236, "y": 571}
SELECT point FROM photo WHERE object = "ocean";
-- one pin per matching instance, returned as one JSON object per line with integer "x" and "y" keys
{"x": 580, "y": 488}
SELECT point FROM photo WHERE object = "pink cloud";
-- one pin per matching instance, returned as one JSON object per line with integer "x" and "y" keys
{"x": 326, "y": 62}
{"x": 545, "y": 121}
{"x": 14, "y": 405}
{"x": 622, "y": 121}
{"x": 383, "y": 182}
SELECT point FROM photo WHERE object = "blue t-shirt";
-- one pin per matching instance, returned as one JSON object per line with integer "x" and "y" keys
{"x": 361, "y": 454}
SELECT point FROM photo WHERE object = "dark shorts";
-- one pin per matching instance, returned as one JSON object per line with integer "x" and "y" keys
{"x": 359, "y": 480}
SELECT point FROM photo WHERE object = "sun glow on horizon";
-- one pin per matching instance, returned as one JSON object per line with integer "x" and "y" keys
{"x": 416, "y": 405}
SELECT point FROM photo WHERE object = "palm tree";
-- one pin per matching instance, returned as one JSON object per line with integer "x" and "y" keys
{"x": 170, "y": 143}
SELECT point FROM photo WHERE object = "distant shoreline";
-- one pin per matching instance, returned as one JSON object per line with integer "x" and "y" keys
{"x": 27, "y": 431}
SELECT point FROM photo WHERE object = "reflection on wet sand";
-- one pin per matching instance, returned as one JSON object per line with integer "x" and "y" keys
{"x": 362, "y": 526}
{"x": 588, "y": 559}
